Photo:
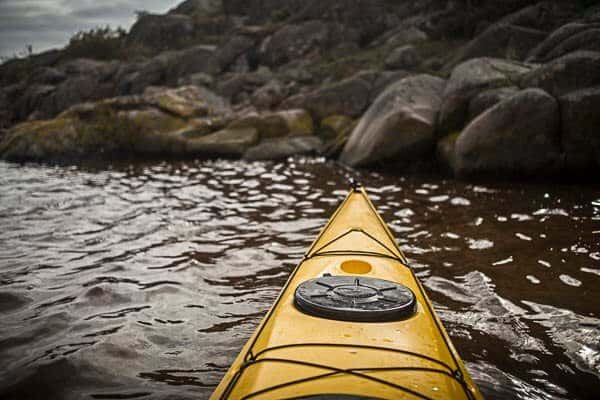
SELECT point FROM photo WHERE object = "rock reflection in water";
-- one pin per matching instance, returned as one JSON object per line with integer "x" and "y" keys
{"x": 144, "y": 281}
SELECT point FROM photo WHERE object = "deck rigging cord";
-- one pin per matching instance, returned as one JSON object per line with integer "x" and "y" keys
{"x": 251, "y": 358}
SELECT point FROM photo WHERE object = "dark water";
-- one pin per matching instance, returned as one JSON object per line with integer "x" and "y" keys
{"x": 144, "y": 281}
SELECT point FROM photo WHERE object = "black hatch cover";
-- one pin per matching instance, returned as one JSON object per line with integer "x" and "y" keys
{"x": 351, "y": 298}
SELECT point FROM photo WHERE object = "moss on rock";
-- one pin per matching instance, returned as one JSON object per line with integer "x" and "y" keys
{"x": 276, "y": 124}
{"x": 230, "y": 142}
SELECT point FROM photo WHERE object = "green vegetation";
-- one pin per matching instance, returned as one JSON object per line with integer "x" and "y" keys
{"x": 102, "y": 43}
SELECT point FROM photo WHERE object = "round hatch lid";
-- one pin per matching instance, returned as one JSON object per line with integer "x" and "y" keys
{"x": 351, "y": 298}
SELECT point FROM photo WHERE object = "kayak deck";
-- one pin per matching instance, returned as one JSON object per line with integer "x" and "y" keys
{"x": 296, "y": 355}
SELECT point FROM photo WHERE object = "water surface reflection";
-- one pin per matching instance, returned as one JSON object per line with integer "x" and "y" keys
{"x": 144, "y": 281}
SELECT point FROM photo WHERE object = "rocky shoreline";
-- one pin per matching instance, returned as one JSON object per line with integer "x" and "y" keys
{"x": 508, "y": 90}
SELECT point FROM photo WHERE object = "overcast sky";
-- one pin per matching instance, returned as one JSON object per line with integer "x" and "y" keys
{"x": 47, "y": 24}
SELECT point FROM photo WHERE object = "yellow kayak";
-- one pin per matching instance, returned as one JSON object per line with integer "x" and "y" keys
{"x": 352, "y": 322}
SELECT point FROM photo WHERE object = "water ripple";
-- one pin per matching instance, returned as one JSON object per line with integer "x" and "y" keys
{"x": 144, "y": 280}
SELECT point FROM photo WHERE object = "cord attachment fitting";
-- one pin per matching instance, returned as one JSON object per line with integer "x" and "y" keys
{"x": 354, "y": 184}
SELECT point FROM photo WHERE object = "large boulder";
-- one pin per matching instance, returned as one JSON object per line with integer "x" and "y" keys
{"x": 167, "y": 68}
{"x": 186, "y": 101}
{"x": 501, "y": 41}
{"x": 17, "y": 68}
{"x": 469, "y": 79}
{"x": 294, "y": 41}
{"x": 8, "y": 97}
{"x": 571, "y": 72}
{"x": 399, "y": 125}
{"x": 51, "y": 90}
{"x": 401, "y": 36}
{"x": 224, "y": 143}
{"x": 200, "y": 58}
{"x": 238, "y": 87}
{"x": 519, "y": 136}
{"x": 48, "y": 76}
{"x": 566, "y": 39}
{"x": 269, "y": 95}
{"x": 236, "y": 51}
{"x": 403, "y": 57}
{"x": 161, "y": 31}
{"x": 155, "y": 123}
{"x": 489, "y": 98}
{"x": 281, "y": 148}
{"x": 39, "y": 98}
{"x": 580, "y": 112}
{"x": 348, "y": 97}
{"x": 544, "y": 15}
{"x": 276, "y": 124}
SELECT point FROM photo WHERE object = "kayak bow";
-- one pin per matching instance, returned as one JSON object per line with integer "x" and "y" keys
{"x": 352, "y": 322}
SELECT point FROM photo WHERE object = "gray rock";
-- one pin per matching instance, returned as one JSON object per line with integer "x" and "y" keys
{"x": 281, "y": 148}
{"x": 161, "y": 31}
{"x": 7, "y": 113}
{"x": 190, "y": 7}
{"x": 276, "y": 124}
{"x": 292, "y": 42}
{"x": 159, "y": 122}
{"x": 269, "y": 95}
{"x": 225, "y": 143}
{"x": 571, "y": 72}
{"x": 235, "y": 86}
{"x": 186, "y": 101}
{"x": 297, "y": 71}
{"x": 72, "y": 91}
{"x": 197, "y": 79}
{"x": 488, "y": 99}
{"x": 369, "y": 18}
{"x": 405, "y": 36}
{"x": 404, "y": 57}
{"x": 559, "y": 42}
{"x": 11, "y": 71}
{"x": 517, "y": 137}
{"x": 348, "y": 97}
{"x": 384, "y": 79}
{"x": 580, "y": 111}
{"x": 167, "y": 68}
{"x": 189, "y": 61}
{"x": 446, "y": 153}
{"x": 84, "y": 66}
{"x": 234, "y": 48}
{"x": 501, "y": 41}
{"x": 470, "y": 78}
{"x": 33, "y": 98}
{"x": 48, "y": 76}
{"x": 587, "y": 39}
{"x": 544, "y": 15}
{"x": 399, "y": 125}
